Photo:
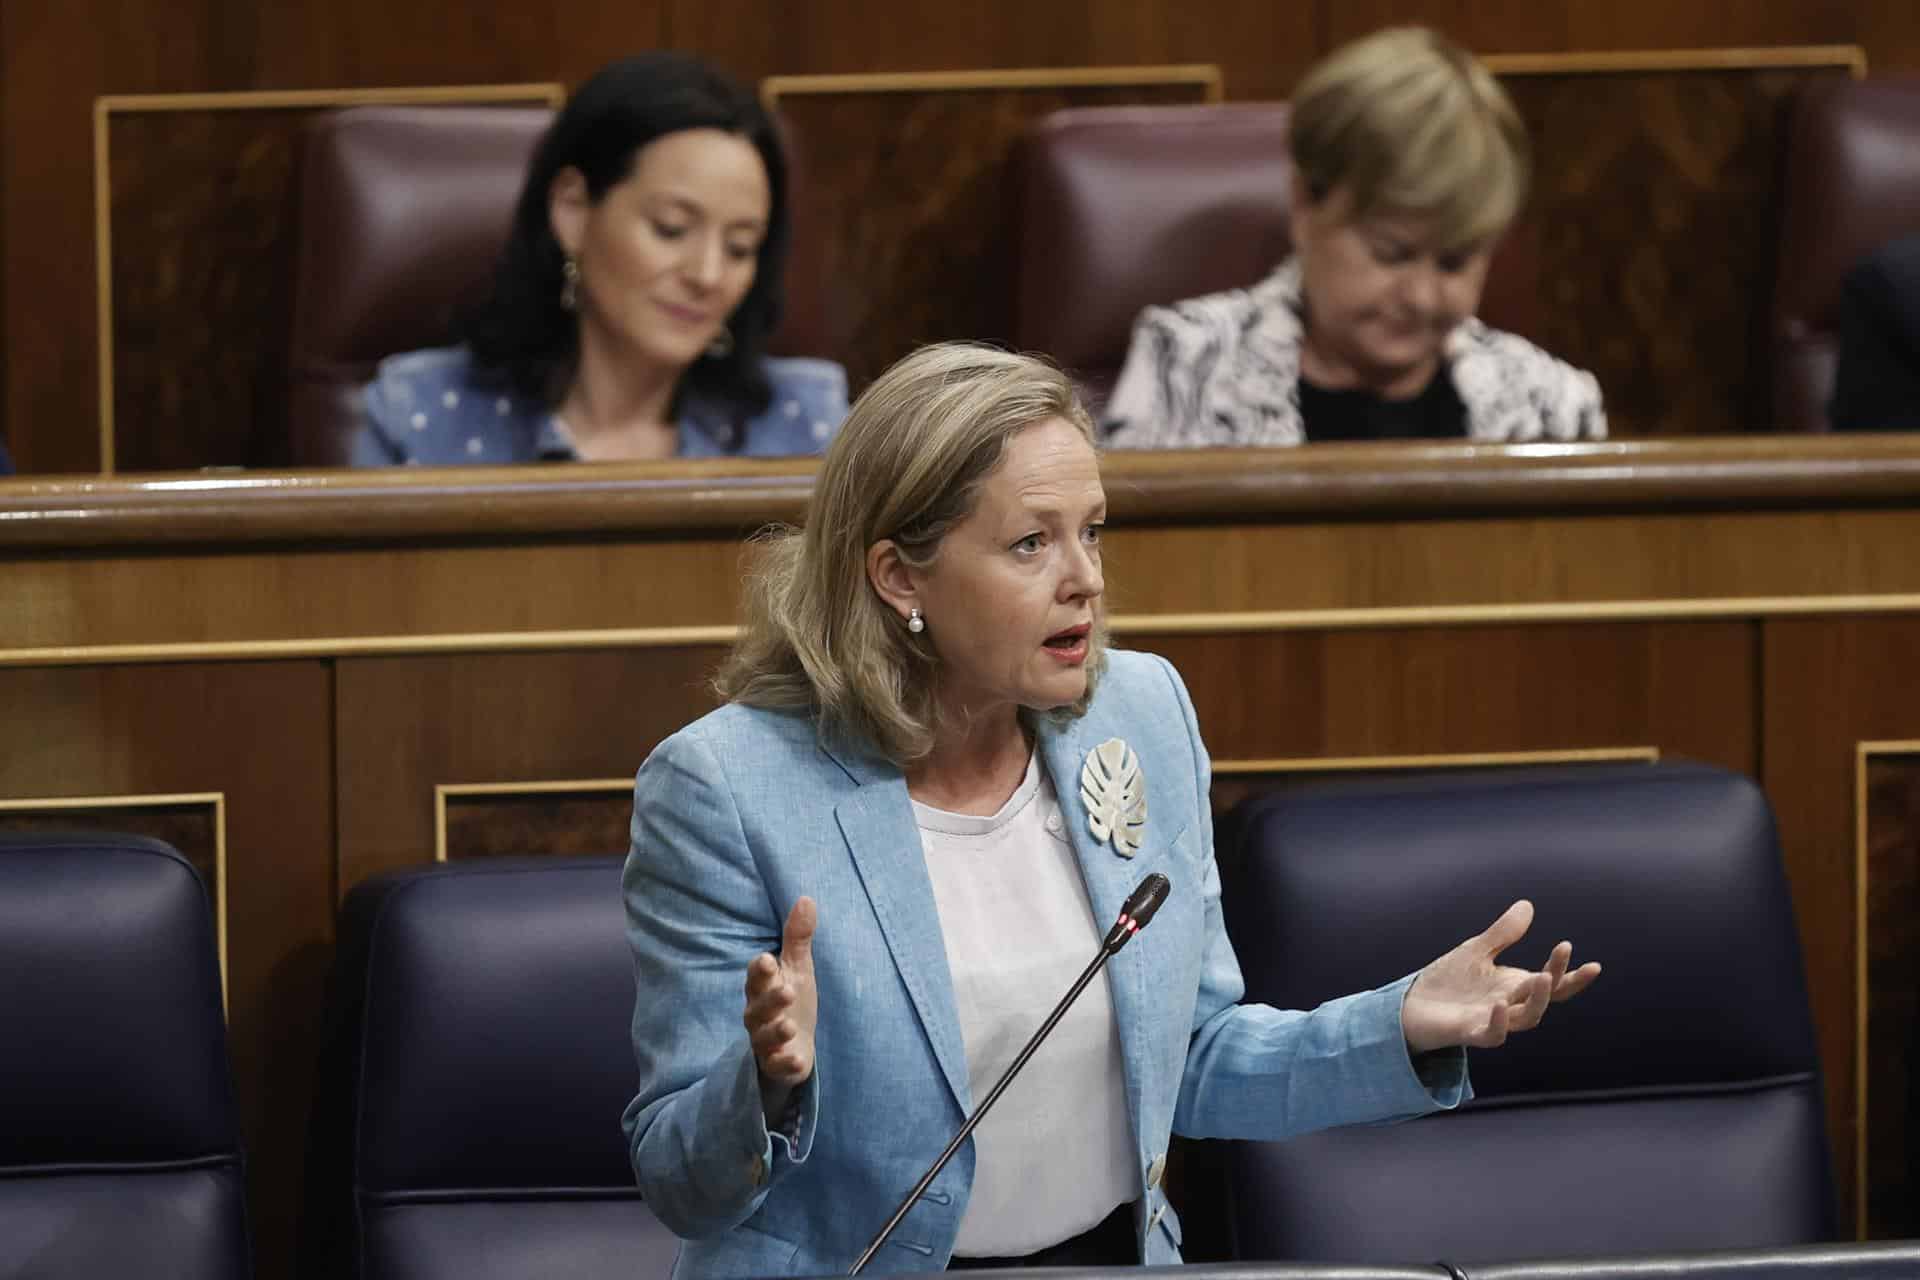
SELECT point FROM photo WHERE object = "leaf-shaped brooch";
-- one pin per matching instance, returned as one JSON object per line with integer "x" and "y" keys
{"x": 1115, "y": 793}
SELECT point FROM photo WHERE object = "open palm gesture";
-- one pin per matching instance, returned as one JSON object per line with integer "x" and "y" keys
{"x": 1467, "y": 998}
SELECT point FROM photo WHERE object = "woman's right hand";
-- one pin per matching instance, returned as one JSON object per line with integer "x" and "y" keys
{"x": 782, "y": 1009}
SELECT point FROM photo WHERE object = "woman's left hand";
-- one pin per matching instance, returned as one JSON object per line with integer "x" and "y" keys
{"x": 1466, "y": 998}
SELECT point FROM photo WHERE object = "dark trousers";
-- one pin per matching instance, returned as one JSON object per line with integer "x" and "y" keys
{"x": 1110, "y": 1243}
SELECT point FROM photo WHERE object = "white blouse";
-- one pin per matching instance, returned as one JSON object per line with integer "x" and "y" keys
{"x": 1056, "y": 1154}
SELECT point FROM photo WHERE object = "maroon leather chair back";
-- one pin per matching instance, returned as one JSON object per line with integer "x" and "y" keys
{"x": 1120, "y": 208}
{"x": 1852, "y": 184}
{"x": 403, "y": 212}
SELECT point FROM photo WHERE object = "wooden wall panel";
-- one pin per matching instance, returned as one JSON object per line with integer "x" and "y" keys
{"x": 258, "y": 733}
{"x": 60, "y": 55}
{"x": 907, "y": 196}
{"x": 1829, "y": 685}
{"x": 202, "y": 206}
{"x": 6, "y": 43}
{"x": 1885, "y": 28}
{"x": 528, "y": 820}
{"x": 1260, "y": 46}
{"x": 355, "y": 598}
{"x": 204, "y": 220}
{"x": 408, "y": 725}
{"x": 1889, "y": 823}
{"x": 1683, "y": 687}
{"x": 1640, "y": 179}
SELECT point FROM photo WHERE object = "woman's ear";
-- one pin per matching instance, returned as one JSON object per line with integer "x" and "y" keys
{"x": 893, "y": 581}
{"x": 567, "y": 207}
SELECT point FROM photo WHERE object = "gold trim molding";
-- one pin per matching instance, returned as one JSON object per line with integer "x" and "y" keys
{"x": 445, "y": 791}
{"x": 163, "y": 800}
{"x": 1454, "y": 615}
{"x": 1204, "y": 74}
{"x": 110, "y": 105}
{"x": 1756, "y": 608}
{"x": 1463, "y": 760}
{"x": 1863, "y": 753}
{"x": 1848, "y": 57}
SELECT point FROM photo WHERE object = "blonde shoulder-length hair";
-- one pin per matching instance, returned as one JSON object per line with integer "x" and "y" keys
{"x": 907, "y": 465}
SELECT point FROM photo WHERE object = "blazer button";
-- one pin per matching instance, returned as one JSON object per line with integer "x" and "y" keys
{"x": 1156, "y": 1171}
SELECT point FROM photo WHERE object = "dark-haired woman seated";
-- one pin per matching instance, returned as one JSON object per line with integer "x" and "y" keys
{"x": 633, "y": 301}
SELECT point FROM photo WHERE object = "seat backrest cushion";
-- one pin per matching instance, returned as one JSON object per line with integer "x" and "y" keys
{"x": 494, "y": 1067}
{"x": 403, "y": 213}
{"x": 119, "y": 1142}
{"x": 1675, "y": 1105}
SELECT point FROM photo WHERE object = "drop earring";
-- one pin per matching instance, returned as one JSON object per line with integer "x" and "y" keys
{"x": 569, "y": 284}
{"x": 722, "y": 345}
{"x": 915, "y": 623}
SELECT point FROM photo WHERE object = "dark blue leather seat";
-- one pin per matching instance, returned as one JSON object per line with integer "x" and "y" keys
{"x": 478, "y": 1064}
{"x": 1677, "y": 1105}
{"x": 119, "y": 1145}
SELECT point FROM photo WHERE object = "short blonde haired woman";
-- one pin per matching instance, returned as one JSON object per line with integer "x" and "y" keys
{"x": 858, "y": 887}
{"x": 1408, "y": 164}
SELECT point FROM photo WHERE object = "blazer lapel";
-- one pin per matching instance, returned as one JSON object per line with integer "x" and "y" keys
{"x": 1109, "y": 879}
{"x": 877, "y": 821}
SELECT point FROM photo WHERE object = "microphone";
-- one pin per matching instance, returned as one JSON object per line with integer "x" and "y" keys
{"x": 1138, "y": 909}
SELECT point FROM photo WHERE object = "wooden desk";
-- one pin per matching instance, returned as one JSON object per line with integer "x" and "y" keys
{"x": 305, "y": 679}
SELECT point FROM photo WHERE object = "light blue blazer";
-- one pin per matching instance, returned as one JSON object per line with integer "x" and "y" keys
{"x": 742, "y": 812}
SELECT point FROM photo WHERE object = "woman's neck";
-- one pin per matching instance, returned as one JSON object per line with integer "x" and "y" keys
{"x": 619, "y": 407}
{"x": 975, "y": 766}
{"x": 1331, "y": 371}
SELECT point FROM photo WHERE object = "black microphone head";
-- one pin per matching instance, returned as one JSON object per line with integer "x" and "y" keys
{"x": 1146, "y": 899}
{"x": 1137, "y": 910}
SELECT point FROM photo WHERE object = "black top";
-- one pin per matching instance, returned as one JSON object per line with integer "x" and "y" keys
{"x": 1877, "y": 384}
{"x": 1435, "y": 414}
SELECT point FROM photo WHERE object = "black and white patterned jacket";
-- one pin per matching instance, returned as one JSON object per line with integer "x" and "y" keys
{"x": 1225, "y": 370}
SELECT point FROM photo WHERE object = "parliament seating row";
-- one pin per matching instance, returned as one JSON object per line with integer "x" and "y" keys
{"x": 1114, "y": 209}
{"x": 477, "y": 1060}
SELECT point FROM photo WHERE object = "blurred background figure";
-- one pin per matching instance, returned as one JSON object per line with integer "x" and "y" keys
{"x": 1877, "y": 385}
{"x": 633, "y": 300}
{"x": 1408, "y": 163}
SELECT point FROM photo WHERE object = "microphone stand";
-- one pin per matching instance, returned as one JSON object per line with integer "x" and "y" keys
{"x": 1139, "y": 909}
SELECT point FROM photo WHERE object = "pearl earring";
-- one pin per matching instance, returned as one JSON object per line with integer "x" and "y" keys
{"x": 916, "y": 623}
